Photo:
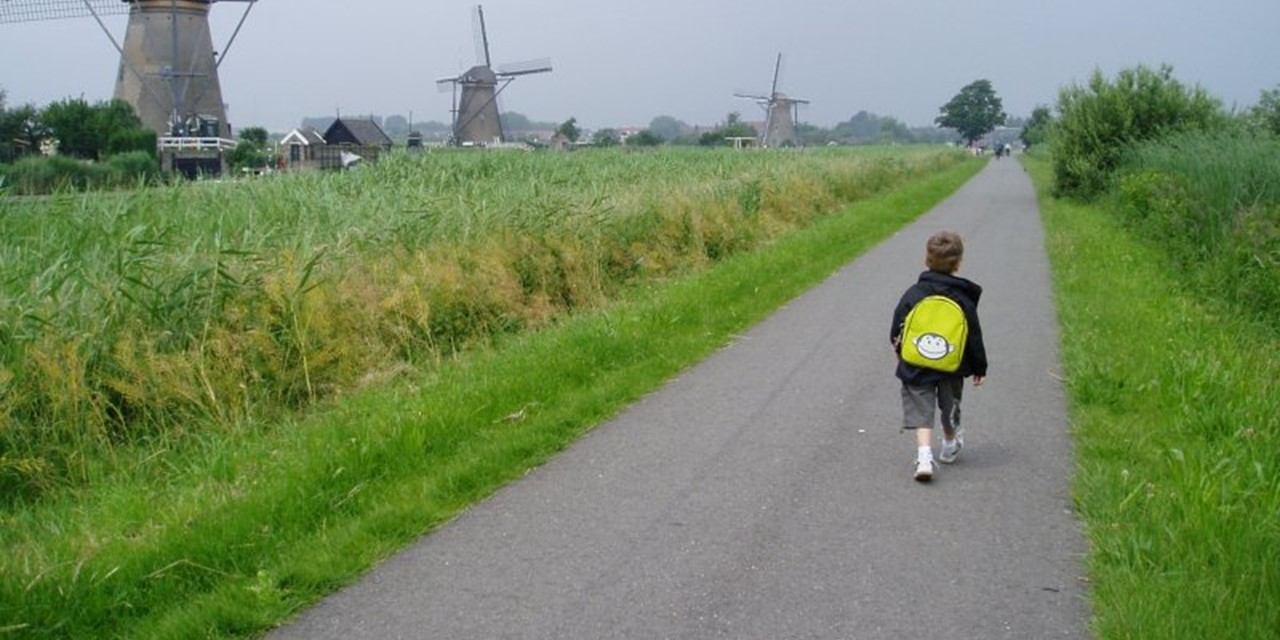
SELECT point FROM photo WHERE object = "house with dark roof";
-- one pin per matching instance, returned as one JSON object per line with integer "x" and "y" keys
{"x": 347, "y": 142}
{"x": 357, "y": 133}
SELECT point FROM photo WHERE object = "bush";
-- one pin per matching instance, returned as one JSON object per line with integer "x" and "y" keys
{"x": 44, "y": 175}
{"x": 132, "y": 140}
{"x": 130, "y": 168}
{"x": 1099, "y": 122}
{"x": 39, "y": 175}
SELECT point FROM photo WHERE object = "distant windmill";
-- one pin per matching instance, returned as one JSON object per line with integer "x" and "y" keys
{"x": 781, "y": 113}
{"x": 475, "y": 93}
{"x": 168, "y": 66}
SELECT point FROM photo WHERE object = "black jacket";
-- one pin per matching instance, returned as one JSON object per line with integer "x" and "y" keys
{"x": 965, "y": 293}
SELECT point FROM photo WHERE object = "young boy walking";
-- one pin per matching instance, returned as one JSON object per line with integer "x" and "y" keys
{"x": 929, "y": 384}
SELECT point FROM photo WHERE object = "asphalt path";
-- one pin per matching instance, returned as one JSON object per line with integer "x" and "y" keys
{"x": 767, "y": 492}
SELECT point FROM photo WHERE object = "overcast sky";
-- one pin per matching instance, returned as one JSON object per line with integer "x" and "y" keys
{"x": 623, "y": 62}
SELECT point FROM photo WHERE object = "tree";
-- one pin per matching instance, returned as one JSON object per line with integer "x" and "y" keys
{"x": 733, "y": 128}
{"x": 1036, "y": 130}
{"x": 120, "y": 130}
{"x": 812, "y": 135}
{"x": 1099, "y": 122}
{"x": 515, "y": 121}
{"x": 95, "y": 132}
{"x": 569, "y": 129}
{"x": 31, "y": 127}
{"x": 974, "y": 112}
{"x": 861, "y": 127}
{"x": 667, "y": 127}
{"x": 869, "y": 128}
{"x": 72, "y": 123}
{"x": 605, "y": 138}
{"x": 21, "y": 131}
{"x": 1266, "y": 113}
{"x": 255, "y": 135}
{"x": 251, "y": 151}
{"x": 396, "y": 127}
{"x": 645, "y": 138}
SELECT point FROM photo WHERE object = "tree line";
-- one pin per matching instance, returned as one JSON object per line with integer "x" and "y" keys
{"x": 74, "y": 144}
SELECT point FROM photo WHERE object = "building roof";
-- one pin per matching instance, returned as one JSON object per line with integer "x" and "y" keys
{"x": 364, "y": 133}
{"x": 304, "y": 136}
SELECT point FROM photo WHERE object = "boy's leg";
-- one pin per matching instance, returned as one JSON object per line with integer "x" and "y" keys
{"x": 924, "y": 437}
{"x": 918, "y": 415}
{"x": 949, "y": 393}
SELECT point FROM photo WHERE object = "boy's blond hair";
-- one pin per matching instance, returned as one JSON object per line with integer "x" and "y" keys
{"x": 944, "y": 251}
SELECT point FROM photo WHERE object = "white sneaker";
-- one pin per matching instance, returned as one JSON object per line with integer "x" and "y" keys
{"x": 924, "y": 470}
{"x": 951, "y": 449}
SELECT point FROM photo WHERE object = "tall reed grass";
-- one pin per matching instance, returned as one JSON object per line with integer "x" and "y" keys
{"x": 1212, "y": 201}
{"x": 45, "y": 175}
{"x": 147, "y": 317}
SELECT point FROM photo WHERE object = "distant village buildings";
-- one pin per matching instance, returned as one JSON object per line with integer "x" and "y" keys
{"x": 343, "y": 145}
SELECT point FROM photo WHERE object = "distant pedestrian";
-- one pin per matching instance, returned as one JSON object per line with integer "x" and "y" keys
{"x": 944, "y": 354}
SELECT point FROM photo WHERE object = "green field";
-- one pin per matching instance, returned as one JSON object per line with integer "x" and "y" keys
{"x": 159, "y": 314}
{"x": 223, "y": 401}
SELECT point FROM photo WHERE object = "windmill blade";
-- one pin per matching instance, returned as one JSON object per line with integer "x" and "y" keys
{"x": 777, "y": 68}
{"x": 232, "y": 39}
{"x": 37, "y": 10}
{"x": 751, "y": 96}
{"x": 481, "y": 37}
{"x": 526, "y": 67}
{"x": 444, "y": 85}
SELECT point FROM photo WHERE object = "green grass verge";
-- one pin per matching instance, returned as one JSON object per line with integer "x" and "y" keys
{"x": 1175, "y": 408}
{"x": 258, "y": 528}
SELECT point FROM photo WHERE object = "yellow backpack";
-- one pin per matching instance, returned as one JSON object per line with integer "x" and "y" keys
{"x": 934, "y": 333}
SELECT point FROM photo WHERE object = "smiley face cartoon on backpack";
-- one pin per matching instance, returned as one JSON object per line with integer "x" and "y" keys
{"x": 937, "y": 329}
{"x": 933, "y": 346}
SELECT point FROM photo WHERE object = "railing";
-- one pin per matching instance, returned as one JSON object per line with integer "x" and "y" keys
{"x": 171, "y": 143}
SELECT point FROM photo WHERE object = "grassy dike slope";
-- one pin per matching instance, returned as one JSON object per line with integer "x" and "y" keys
{"x": 260, "y": 527}
{"x": 1175, "y": 408}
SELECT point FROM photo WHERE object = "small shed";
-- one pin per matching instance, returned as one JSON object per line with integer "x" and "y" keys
{"x": 300, "y": 150}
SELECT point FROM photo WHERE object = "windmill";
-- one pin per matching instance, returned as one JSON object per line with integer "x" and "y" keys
{"x": 168, "y": 67}
{"x": 780, "y": 113}
{"x": 475, "y": 92}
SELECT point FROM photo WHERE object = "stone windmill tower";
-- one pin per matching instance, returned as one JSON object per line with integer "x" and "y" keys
{"x": 168, "y": 66}
{"x": 781, "y": 113}
{"x": 475, "y": 92}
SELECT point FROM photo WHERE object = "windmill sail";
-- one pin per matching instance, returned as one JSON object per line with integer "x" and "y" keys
{"x": 40, "y": 10}
{"x": 526, "y": 67}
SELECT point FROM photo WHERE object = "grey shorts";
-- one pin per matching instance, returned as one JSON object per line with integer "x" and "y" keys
{"x": 918, "y": 403}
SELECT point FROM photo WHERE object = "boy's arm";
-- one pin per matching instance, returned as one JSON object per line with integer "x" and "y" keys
{"x": 976, "y": 350}
{"x": 895, "y": 330}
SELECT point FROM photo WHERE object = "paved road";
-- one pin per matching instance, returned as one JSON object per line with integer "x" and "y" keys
{"x": 767, "y": 492}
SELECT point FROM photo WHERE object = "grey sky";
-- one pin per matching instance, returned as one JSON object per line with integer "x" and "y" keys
{"x": 623, "y": 62}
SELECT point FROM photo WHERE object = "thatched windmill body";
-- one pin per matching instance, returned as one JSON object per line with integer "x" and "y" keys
{"x": 476, "y": 118}
{"x": 781, "y": 113}
{"x": 168, "y": 66}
